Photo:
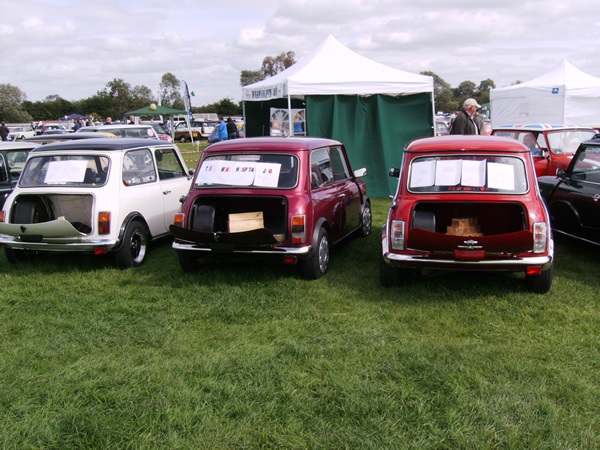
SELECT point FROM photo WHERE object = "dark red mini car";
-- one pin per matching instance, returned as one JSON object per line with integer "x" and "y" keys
{"x": 285, "y": 199}
{"x": 468, "y": 203}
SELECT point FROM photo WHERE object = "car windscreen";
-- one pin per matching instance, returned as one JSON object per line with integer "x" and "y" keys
{"x": 258, "y": 170}
{"x": 566, "y": 142}
{"x": 468, "y": 174}
{"x": 65, "y": 170}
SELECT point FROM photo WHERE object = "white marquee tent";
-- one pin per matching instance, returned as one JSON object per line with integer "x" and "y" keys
{"x": 565, "y": 95}
{"x": 334, "y": 69}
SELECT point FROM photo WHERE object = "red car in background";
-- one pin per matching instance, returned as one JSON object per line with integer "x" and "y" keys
{"x": 467, "y": 203}
{"x": 552, "y": 146}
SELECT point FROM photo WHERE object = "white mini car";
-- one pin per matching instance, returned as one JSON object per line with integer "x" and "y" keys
{"x": 95, "y": 196}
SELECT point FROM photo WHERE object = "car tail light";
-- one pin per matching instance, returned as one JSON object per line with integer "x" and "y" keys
{"x": 2, "y": 216}
{"x": 298, "y": 229}
{"x": 397, "y": 234}
{"x": 540, "y": 237}
{"x": 179, "y": 219}
{"x": 104, "y": 222}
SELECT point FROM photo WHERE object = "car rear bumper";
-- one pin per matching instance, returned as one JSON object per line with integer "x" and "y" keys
{"x": 49, "y": 245}
{"x": 275, "y": 251}
{"x": 422, "y": 261}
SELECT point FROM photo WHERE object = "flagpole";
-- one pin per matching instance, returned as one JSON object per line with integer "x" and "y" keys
{"x": 188, "y": 104}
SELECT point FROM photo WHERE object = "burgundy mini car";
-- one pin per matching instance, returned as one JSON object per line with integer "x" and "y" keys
{"x": 467, "y": 203}
{"x": 285, "y": 199}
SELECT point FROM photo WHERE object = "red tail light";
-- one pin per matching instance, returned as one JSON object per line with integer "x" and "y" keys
{"x": 104, "y": 222}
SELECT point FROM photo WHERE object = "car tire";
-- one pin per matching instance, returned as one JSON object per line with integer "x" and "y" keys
{"x": 188, "y": 261}
{"x": 14, "y": 256}
{"x": 132, "y": 251}
{"x": 388, "y": 275}
{"x": 183, "y": 139}
{"x": 366, "y": 220}
{"x": 316, "y": 265}
{"x": 540, "y": 284}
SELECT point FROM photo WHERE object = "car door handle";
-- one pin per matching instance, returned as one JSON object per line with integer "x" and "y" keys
{"x": 166, "y": 192}
{"x": 342, "y": 195}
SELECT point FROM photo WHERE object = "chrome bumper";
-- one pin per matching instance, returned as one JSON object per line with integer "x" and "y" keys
{"x": 280, "y": 251}
{"x": 49, "y": 245}
{"x": 420, "y": 261}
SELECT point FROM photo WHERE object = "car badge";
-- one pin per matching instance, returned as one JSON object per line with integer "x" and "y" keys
{"x": 23, "y": 229}
{"x": 216, "y": 237}
{"x": 470, "y": 242}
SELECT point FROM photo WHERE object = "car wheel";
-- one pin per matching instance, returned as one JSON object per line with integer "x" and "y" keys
{"x": 188, "y": 261}
{"x": 316, "y": 265}
{"x": 366, "y": 220}
{"x": 388, "y": 275}
{"x": 540, "y": 284}
{"x": 183, "y": 139}
{"x": 132, "y": 251}
{"x": 14, "y": 256}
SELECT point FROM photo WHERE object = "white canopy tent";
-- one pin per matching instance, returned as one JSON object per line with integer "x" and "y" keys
{"x": 565, "y": 95}
{"x": 334, "y": 69}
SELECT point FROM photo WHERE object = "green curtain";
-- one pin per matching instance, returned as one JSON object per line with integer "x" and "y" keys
{"x": 259, "y": 115}
{"x": 374, "y": 129}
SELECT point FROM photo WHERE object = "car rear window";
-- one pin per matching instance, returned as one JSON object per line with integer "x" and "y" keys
{"x": 260, "y": 170}
{"x": 468, "y": 174}
{"x": 65, "y": 170}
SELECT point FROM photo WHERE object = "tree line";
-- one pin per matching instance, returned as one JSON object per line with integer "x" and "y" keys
{"x": 117, "y": 97}
{"x": 114, "y": 100}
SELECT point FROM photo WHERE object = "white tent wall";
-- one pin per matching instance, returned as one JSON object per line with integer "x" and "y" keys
{"x": 565, "y": 95}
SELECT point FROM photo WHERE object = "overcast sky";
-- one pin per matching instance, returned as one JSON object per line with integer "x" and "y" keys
{"x": 73, "y": 48}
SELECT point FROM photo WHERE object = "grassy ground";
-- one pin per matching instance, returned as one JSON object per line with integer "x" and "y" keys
{"x": 248, "y": 355}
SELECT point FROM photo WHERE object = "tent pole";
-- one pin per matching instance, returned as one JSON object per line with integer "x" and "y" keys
{"x": 290, "y": 120}
{"x": 433, "y": 107}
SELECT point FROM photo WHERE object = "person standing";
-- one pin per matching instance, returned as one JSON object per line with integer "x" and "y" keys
{"x": 464, "y": 122}
{"x": 108, "y": 121}
{"x": 78, "y": 125}
{"x": 222, "y": 133}
{"x": 4, "y": 132}
{"x": 232, "y": 131}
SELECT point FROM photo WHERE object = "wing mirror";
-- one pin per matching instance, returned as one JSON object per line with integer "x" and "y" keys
{"x": 561, "y": 173}
{"x": 360, "y": 172}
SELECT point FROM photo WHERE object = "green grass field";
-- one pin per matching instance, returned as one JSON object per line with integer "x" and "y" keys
{"x": 249, "y": 355}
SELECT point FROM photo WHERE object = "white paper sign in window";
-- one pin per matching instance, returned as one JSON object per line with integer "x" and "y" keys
{"x": 448, "y": 172}
{"x": 267, "y": 174}
{"x": 473, "y": 173}
{"x": 422, "y": 174}
{"x": 501, "y": 176}
{"x": 65, "y": 172}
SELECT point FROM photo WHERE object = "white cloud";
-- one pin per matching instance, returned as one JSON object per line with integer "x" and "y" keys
{"x": 73, "y": 49}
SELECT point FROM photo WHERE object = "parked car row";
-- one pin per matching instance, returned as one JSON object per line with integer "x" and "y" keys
{"x": 462, "y": 203}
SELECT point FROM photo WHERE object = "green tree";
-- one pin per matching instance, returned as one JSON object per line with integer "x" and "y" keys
{"x": 465, "y": 89}
{"x": 251, "y": 77}
{"x": 11, "y": 105}
{"x": 442, "y": 92}
{"x": 271, "y": 65}
{"x": 169, "y": 91}
{"x": 224, "y": 107}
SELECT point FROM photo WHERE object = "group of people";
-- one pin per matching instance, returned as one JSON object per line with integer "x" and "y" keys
{"x": 226, "y": 130}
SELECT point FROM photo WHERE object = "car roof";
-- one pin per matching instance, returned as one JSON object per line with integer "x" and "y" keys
{"x": 7, "y": 146}
{"x": 457, "y": 143}
{"x": 103, "y": 143}
{"x": 113, "y": 127}
{"x": 270, "y": 144}
{"x": 67, "y": 137}
{"x": 540, "y": 127}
